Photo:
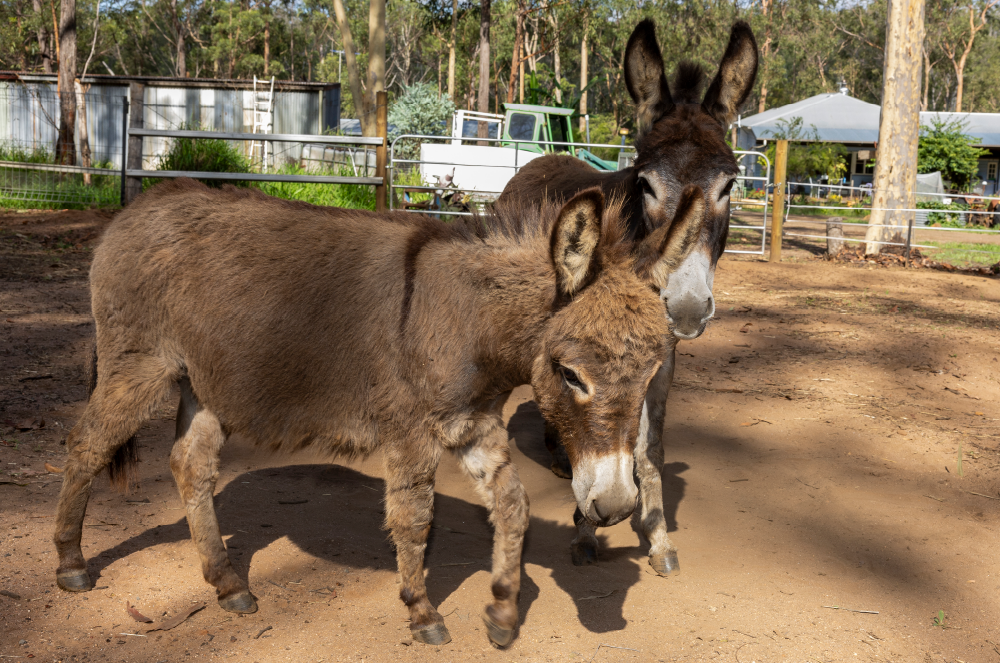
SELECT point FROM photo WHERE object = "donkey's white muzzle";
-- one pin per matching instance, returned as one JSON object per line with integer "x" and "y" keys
{"x": 604, "y": 488}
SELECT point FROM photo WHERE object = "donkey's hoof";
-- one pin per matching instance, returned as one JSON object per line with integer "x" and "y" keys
{"x": 73, "y": 581}
{"x": 498, "y": 635}
{"x": 584, "y": 553}
{"x": 242, "y": 603}
{"x": 435, "y": 634}
{"x": 665, "y": 565}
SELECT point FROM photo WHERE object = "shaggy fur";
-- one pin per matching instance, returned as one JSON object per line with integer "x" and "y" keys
{"x": 681, "y": 143}
{"x": 353, "y": 332}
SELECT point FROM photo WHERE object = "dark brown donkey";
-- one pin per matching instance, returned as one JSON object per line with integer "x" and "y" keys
{"x": 681, "y": 142}
{"x": 351, "y": 332}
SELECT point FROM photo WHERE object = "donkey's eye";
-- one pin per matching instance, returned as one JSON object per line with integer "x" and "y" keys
{"x": 571, "y": 378}
{"x": 727, "y": 189}
{"x": 647, "y": 190}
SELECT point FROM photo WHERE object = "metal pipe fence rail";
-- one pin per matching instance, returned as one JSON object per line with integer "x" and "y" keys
{"x": 139, "y": 174}
{"x": 479, "y": 197}
{"x": 911, "y": 229}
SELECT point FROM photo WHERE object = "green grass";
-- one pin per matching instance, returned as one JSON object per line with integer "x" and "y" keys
{"x": 963, "y": 253}
{"x": 354, "y": 196}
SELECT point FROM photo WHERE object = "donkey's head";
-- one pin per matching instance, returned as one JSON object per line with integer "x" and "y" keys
{"x": 681, "y": 141}
{"x": 605, "y": 340}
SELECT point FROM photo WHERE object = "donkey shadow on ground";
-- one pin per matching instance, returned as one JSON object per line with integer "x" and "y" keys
{"x": 334, "y": 513}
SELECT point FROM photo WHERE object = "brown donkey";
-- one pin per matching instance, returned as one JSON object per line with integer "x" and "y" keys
{"x": 681, "y": 142}
{"x": 352, "y": 332}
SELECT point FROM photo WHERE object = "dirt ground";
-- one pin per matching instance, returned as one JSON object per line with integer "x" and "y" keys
{"x": 832, "y": 482}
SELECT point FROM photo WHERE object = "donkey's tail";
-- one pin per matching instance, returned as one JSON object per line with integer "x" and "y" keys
{"x": 123, "y": 469}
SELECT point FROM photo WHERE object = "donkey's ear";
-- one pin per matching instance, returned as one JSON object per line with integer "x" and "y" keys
{"x": 644, "y": 76}
{"x": 665, "y": 249}
{"x": 737, "y": 72}
{"x": 574, "y": 240}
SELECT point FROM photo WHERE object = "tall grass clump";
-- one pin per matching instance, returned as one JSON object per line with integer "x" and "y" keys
{"x": 353, "y": 196}
{"x": 11, "y": 151}
{"x": 205, "y": 155}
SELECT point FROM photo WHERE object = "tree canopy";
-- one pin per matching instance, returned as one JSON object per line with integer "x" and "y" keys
{"x": 807, "y": 46}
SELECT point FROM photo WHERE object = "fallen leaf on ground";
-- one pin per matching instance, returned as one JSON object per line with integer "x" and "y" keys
{"x": 177, "y": 619}
{"x": 745, "y": 329}
{"x": 136, "y": 615}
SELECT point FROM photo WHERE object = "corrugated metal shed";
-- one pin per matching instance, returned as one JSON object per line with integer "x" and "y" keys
{"x": 29, "y": 111}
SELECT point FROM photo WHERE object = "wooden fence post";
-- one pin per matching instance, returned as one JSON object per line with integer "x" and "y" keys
{"x": 778, "y": 202}
{"x": 382, "y": 151}
{"x": 133, "y": 185}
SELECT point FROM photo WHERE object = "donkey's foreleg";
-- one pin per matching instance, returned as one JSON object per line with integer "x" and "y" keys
{"x": 194, "y": 462}
{"x": 409, "y": 510}
{"x": 649, "y": 463}
{"x": 488, "y": 464}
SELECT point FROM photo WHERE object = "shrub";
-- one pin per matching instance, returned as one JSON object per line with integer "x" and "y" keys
{"x": 944, "y": 219}
{"x": 419, "y": 110}
{"x": 944, "y": 146}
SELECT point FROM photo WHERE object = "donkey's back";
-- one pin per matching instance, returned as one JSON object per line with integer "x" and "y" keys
{"x": 278, "y": 313}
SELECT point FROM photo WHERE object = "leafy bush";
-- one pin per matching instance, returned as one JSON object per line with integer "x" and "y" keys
{"x": 809, "y": 159}
{"x": 419, "y": 110}
{"x": 944, "y": 146}
{"x": 944, "y": 219}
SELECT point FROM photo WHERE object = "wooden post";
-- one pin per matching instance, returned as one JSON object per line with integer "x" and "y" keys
{"x": 778, "y": 201}
{"x": 133, "y": 185}
{"x": 382, "y": 151}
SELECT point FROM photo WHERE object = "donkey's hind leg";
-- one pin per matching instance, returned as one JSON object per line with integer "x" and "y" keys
{"x": 649, "y": 463}
{"x": 125, "y": 394}
{"x": 194, "y": 462}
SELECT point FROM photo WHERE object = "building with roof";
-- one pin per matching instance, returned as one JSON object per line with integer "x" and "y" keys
{"x": 839, "y": 118}
{"x": 29, "y": 111}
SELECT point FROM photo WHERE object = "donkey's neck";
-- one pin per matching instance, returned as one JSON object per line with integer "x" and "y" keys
{"x": 509, "y": 287}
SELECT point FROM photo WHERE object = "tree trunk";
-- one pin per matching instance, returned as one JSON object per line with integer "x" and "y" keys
{"x": 515, "y": 61}
{"x": 556, "y": 61}
{"x": 43, "y": 38}
{"x": 81, "y": 101}
{"x": 181, "y": 53}
{"x": 451, "y": 51}
{"x": 267, "y": 47}
{"x": 65, "y": 150}
{"x": 927, "y": 78}
{"x": 376, "y": 52}
{"x": 362, "y": 106}
{"x": 765, "y": 54}
{"x": 899, "y": 127}
{"x": 583, "y": 79}
{"x": 484, "y": 65}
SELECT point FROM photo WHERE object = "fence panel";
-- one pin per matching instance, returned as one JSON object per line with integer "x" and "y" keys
{"x": 29, "y": 130}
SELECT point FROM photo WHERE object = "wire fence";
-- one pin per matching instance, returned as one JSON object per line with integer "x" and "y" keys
{"x": 39, "y": 169}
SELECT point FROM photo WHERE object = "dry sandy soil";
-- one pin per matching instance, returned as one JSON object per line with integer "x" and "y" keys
{"x": 832, "y": 482}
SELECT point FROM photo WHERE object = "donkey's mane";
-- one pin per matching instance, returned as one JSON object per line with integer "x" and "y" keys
{"x": 513, "y": 220}
{"x": 688, "y": 83}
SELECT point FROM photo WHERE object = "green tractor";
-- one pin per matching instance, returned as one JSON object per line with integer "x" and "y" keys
{"x": 528, "y": 122}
